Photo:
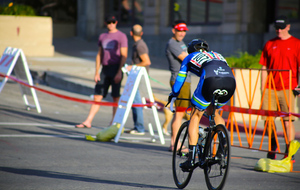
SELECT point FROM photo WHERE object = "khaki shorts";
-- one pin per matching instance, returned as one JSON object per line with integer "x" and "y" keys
{"x": 185, "y": 92}
{"x": 281, "y": 100}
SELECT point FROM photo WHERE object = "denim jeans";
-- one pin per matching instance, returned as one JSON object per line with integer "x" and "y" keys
{"x": 137, "y": 112}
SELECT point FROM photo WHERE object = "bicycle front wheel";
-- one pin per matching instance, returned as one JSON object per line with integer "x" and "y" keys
{"x": 180, "y": 155}
{"x": 217, "y": 158}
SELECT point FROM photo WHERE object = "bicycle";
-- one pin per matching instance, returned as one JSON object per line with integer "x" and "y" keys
{"x": 212, "y": 151}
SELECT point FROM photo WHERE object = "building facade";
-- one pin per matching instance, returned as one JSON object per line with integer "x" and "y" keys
{"x": 229, "y": 26}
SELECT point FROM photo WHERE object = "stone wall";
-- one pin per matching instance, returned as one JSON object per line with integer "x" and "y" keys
{"x": 31, "y": 34}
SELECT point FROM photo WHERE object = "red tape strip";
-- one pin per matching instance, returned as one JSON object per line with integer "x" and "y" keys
{"x": 248, "y": 111}
{"x": 178, "y": 109}
{"x": 258, "y": 112}
{"x": 71, "y": 98}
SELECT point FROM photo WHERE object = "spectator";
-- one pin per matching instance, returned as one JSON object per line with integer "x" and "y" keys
{"x": 112, "y": 55}
{"x": 140, "y": 57}
{"x": 281, "y": 53}
{"x": 176, "y": 51}
{"x": 127, "y": 12}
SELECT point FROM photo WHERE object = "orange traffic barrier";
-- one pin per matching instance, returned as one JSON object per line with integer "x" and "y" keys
{"x": 249, "y": 96}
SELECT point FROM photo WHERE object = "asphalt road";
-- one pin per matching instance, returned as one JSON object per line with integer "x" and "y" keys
{"x": 45, "y": 151}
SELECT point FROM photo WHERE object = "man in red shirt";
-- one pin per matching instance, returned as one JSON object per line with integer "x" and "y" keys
{"x": 281, "y": 53}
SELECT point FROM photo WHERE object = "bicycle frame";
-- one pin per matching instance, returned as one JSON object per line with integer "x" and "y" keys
{"x": 203, "y": 161}
{"x": 208, "y": 131}
{"x": 213, "y": 156}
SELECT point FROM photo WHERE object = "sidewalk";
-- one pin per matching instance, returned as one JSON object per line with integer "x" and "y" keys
{"x": 73, "y": 65}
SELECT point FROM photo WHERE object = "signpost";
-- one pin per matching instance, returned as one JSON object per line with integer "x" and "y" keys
{"x": 125, "y": 103}
{"x": 13, "y": 59}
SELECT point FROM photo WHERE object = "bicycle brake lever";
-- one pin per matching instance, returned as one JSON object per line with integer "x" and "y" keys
{"x": 171, "y": 104}
{"x": 167, "y": 104}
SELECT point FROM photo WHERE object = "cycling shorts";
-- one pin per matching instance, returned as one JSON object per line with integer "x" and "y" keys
{"x": 203, "y": 94}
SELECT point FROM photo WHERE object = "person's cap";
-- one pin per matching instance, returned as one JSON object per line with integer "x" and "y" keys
{"x": 281, "y": 22}
{"x": 181, "y": 27}
{"x": 110, "y": 18}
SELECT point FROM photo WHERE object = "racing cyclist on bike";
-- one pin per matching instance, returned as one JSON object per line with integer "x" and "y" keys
{"x": 214, "y": 74}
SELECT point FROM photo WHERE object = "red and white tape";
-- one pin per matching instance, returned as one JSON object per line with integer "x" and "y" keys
{"x": 179, "y": 109}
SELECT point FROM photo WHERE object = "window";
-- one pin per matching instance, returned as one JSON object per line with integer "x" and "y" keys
{"x": 289, "y": 8}
{"x": 128, "y": 12}
{"x": 197, "y": 11}
{"x": 62, "y": 11}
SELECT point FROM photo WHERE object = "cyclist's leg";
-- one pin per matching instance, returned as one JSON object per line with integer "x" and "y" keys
{"x": 199, "y": 104}
{"x": 196, "y": 116}
{"x": 218, "y": 118}
{"x": 193, "y": 132}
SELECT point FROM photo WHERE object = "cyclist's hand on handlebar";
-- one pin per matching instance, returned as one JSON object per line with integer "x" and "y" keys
{"x": 171, "y": 99}
{"x": 171, "y": 96}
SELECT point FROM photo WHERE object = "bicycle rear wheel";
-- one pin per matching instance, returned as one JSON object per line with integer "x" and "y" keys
{"x": 217, "y": 154}
{"x": 181, "y": 178}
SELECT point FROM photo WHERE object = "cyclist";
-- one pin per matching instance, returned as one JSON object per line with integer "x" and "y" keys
{"x": 215, "y": 74}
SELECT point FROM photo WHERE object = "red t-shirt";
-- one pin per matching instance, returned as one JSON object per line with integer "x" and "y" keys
{"x": 282, "y": 55}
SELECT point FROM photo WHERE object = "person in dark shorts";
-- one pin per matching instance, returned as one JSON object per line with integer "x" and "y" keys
{"x": 112, "y": 55}
{"x": 215, "y": 75}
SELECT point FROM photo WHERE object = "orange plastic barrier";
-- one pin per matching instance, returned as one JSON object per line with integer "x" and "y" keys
{"x": 248, "y": 98}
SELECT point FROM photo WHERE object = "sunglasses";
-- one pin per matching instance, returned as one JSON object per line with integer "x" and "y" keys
{"x": 114, "y": 22}
{"x": 277, "y": 28}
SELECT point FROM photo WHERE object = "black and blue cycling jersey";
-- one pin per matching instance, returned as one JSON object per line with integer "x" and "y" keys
{"x": 214, "y": 73}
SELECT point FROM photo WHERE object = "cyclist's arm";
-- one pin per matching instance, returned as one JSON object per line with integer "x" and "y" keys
{"x": 180, "y": 79}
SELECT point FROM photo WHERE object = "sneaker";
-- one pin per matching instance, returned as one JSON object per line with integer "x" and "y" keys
{"x": 135, "y": 132}
{"x": 187, "y": 166}
{"x": 165, "y": 132}
{"x": 272, "y": 155}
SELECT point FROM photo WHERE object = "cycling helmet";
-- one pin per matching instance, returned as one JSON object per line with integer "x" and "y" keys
{"x": 197, "y": 45}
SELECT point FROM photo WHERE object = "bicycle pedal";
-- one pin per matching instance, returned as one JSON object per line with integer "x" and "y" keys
{"x": 188, "y": 169}
{"x": 187, "y": 166}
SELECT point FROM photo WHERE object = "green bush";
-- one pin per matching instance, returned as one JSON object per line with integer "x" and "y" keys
{"x": 14, "y": 9}
{"x": 244, "y": 60}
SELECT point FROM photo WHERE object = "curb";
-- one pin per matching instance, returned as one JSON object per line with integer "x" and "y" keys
{"x": 58, "y": 81}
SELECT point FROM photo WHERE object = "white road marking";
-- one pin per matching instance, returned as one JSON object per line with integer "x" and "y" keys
{"x": 36, "y": 124}
{"x": 132, "y": 138}
{"x": 41, "y": 136}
